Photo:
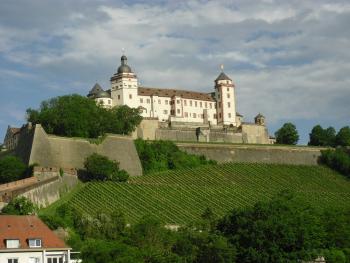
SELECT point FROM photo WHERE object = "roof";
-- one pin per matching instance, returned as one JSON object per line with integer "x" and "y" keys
{"x": 238, "y": 114}
{"x": 222, "y": 76}
{"x": 14, "y": 130}
{"x": 26, "y": 227}
{"x": 144, "y": 91}
{"x": 96, "y": 89}
{"x": 102, "y": 94}
{"x": 259, "y": 116}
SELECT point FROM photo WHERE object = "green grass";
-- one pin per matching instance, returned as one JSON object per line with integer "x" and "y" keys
{"x": 179, "y": 197}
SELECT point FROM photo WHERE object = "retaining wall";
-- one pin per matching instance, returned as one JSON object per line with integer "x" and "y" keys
{"x": 255, "y": 154}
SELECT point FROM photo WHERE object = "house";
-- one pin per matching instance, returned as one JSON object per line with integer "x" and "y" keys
{"x": 26, "y": 239}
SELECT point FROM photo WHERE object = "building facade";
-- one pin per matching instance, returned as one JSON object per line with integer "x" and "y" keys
{"x": 215, "y": 108}
{"x": 28, "y": 239}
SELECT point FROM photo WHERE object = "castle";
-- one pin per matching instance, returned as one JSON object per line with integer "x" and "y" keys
{"x": 215, "y": 111}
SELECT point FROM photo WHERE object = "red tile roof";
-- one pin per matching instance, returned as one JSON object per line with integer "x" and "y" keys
{"x": 26, "y": 227}
{"x": 144, "y": 91}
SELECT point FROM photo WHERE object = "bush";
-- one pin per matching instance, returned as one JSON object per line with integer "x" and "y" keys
{"x": 100, "y": 168}
{"x": 158, "y": 156}
{"x": 338, "y": 160}
{"x": 11, "y": 169}
{"x": 19, "y": 206}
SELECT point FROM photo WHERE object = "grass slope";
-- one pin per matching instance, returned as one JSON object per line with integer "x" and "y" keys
{"x": 180, "y": 197}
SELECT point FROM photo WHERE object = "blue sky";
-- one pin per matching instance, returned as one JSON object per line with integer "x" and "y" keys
{"x": 290, "y": 60}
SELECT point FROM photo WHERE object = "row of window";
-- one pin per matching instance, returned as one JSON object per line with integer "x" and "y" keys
{"x": 14, "y": 243}
{"x": 52, "y": 259}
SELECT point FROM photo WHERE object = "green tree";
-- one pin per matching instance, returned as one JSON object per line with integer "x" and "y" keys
{"x": 287, "y": 134}
{"x": 343, "y": 136}
{"x": 11, "y": 169}
{"x": 322, "y": 137}
{"x": 78, "y": 116}
{"x": 282, "y": 230}
{"x": 19, "y": 206}
{"x": 100, "y": 168}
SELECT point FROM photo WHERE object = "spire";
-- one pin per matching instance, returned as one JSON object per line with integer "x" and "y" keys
{"x": 222, "y": 67}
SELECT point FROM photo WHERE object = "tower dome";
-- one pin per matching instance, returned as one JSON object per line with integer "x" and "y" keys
{"x": 124, "y": 68}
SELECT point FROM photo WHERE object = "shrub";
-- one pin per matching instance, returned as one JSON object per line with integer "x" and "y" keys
{"x": 11, "y": 169}
{"x": 100, "y": 168}
{"x": 338, "y": 160}
{"x": 19, "y": 206}
{"x": 158, "y": 156}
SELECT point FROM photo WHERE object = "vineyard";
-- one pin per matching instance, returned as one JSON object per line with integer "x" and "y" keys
{"x": 179, "y": 197}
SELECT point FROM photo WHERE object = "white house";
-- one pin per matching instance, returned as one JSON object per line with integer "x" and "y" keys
{"x": 216, "y": 108}
{"x": 26, "y": 239}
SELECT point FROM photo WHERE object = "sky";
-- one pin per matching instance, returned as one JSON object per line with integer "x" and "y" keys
{"x": 289, "y": 59}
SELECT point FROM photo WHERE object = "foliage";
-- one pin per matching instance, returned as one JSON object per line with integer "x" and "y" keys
{"x": 281, "y": 230}
{"x": 322, "y": 137}
{"x": 287, "y": 134}
{"x": 181, "y": 196}
{"x": 12, "y": 169}
{"x": 77, "y": 116}
{"x": 158, "y": 156}
{"x": 19, "y": 206}
{"x": 338, "y": 159}
{"x": 100, "y": 168}
{"x": 343, "y": 136}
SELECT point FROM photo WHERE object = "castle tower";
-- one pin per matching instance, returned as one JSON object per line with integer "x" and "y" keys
{"x": 260, "y": 119}
{"x": 124, "y": 85}
{"x": 225, "y": 98}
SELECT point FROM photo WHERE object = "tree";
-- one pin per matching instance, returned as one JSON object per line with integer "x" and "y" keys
{"x": 100, "y": 168}
{"x": 11, "y": 169}
{"x": 343, "y": 136}
{"x": 282, "y": 230}
{"x": 322, "y": 137}
{"x": 78, "y": 116}
{"x": 19, "y": 206}
{"x": 287, "y": 134}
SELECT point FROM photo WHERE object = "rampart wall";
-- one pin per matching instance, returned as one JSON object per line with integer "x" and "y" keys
{"x": 37, "y": 147}
{"x": 254, "y": 153}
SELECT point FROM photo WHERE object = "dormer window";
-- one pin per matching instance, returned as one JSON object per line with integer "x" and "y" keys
{"x": 12, "y": 243}
{"x": 34, "y": 242}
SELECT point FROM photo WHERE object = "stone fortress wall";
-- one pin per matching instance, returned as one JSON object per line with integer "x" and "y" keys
{"x": 37, "y": 147}
{"x": 222, "y": 153}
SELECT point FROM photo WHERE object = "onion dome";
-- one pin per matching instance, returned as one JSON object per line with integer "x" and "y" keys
{"x": 96, "y": 89}
{"x": 124, "y": 68}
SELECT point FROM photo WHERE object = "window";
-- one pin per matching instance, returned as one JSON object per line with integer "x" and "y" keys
{"x": 200, "y": 104}
{"x": 229, "y": 104}
{"x": 229, "y": 115}
{"x": 228, "y": 95}
{"x": 141, "y": 100}
{"x": 195, "y": 103}
{"x": 211, "y": 106}
{"x": 190, "y": 102}
{"x": 219, "y": 104}
{"x": 165, "y": 112}
{"x": 118, "y": 97}
{"x": 130, "y": 96}
{"x": 219, "y": 115}
{"x": 228, "y": 88}
{"x": 178, "y": 101}
{"x": 194, "y": 115}
{"x": 186, "y": 114}
{"x": 57, "y": 259}
{"x": 178, "y": 111}
{"x": 148, "y": 101}
{"x": 166, "y": 102}
{"x": 185, "y": 102}
{"x": 215, "y": 116}
{"x": 129, "y": 86}
{"x": 159, "y": 102}
{"x": 34, "y": 243}
{"x": 12, "y": 243}
{"x": 206, "y": 105}
{"x": 34, "y": 260}
{"x": 12, "y": 260}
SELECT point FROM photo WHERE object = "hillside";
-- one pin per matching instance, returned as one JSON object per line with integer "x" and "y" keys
{"x": 179, "y": 197}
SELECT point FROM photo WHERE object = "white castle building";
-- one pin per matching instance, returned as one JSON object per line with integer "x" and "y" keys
{"x": 216, "y": 108}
